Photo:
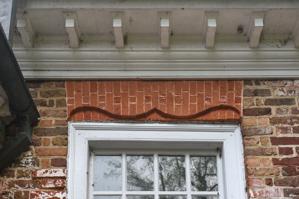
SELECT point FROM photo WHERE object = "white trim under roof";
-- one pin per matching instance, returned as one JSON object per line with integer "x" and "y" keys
{"x": 253, "y": 39}
{"x": 57, "y": 63}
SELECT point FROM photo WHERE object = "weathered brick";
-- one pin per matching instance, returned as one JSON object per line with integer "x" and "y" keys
{"x": 51, "y": 151}
{"x": 256, "y": 182}
{"x": 280, "y": 101}
{"x": 282, "y": 111}
{"x": 291, "y": 192}
{"x": 296, "y": 129}
{"x": 269, "y": 181}
{"x": 58, "y": 162}
{"x": 59, "y": 141}
{"x": 52, "y": 93}
{"x": 24, "y": 184}
{"x": 60, "y": 103}
{"x": 283, "y": 129}
{"x": 286, "y": 161}
{"x": 248, "y": 102}
{"x": 260, "y": 151}
{"x": 248, "y": 83}
{"x": 290, "y": 171}
{"x": 21, "y": 195}
{"x": 56, "y": 113}
{"x": 265, "y": 141}
{"x": 22, "y": 173}
{"x": 257, "y": 131}
{"x": 256, "y": 92}
{"x": 44, "y": 103}
{"x": 285, "y": 150}
{"x": 47, "y": 195}
{"x": 49, "y": 173}
{"x": 285, "y": 140}
{"x": 257, "y": 171}
{"x": 292, "y": 120}
{"x": 251, "y": 141}
{"x": 50, "y": 131}
{"x": 45, "y": 123}
{"x": 51, "y": 183}
{"x": 258, "y": 162}
{"x": 295, "y": 110}
{"x": 284, "y": 91}
{"x": 265, "y": 192}
{"x": 8, "y": 173}
{"x": 27, "y": 162}
{"x": 256, "y": 111}
{"x": 285, "y": 121}
{"x": 292, "y": 181}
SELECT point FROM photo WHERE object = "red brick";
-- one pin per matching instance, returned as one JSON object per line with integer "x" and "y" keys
{"x": 292, "y": 181}
{"x": 285, "y": 140}
{"x": 51, "y": 151}
{"x": 58, "y": 162}
{"x": 286, "y": 161}
{"x": 290, "y": 170}
{"x": 285, "y": 150}
{"x": 48, "y": 195}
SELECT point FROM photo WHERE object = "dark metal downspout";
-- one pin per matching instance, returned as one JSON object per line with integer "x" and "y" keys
{"x": 20, "y": 102}
{"x": 14, "y": 147}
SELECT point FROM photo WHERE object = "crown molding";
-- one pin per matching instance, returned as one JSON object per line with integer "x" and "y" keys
{"x": 43, "y": 63}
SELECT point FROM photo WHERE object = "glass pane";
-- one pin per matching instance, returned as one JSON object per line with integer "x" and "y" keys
{"x": 140, "y": 197}
{"x": 107, "y": 173}
{"x": 172, "y": 173}
{"x": 172, "y": 197}
{"x": 204, "y": 173}
{"x": 140, "y": 173}
{"x": 204, "y": 197}
{"x": 107, "y": 197}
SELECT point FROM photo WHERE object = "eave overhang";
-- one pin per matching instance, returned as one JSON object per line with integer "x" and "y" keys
{"x": 90, "y": 39}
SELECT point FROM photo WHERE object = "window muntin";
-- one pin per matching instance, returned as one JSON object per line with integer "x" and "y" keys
{"x": 156, "y": 175}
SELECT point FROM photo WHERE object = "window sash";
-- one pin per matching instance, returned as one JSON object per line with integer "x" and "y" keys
{"x": 156, "y": 193}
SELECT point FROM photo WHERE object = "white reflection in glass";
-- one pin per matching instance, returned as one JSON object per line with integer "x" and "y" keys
{"x": 204, "y": 197}
{"x": 107, "y": 173}
{"x": 172, "y": 197}
{"x": 140, "y": 197}
{"x": 204, "y": 174}
{"x": 172, "y": 173}
{"x": 140, "y": 173}
{"x": 107, "y": 197}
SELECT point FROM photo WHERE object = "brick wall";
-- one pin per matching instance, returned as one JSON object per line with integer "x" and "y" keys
{"x": 40, "y": 173}
{"x": 270, "y": 127}
{"x": 154, "y": 100}
{"x": 271, "y": 136}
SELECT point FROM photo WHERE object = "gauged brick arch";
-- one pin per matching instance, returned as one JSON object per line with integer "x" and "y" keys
{"x": 178, "y": 100}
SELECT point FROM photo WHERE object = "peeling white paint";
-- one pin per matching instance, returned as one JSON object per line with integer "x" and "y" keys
{"x": 46, "y": 195}
{"x": 50, "y": 173}
{"x": 5, "y": 15}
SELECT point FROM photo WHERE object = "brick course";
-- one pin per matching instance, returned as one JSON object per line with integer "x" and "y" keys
{"x": 269, "y": 127}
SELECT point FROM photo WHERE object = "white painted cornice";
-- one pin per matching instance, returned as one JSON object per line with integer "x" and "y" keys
{"x": 51, "y": 63}
{"x": 155, "y": 4}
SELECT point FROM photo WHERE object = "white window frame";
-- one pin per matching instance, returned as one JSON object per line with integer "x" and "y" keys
{"x": 81, "y": 134}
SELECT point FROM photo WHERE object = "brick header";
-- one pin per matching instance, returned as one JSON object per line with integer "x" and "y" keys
{"x": 154, "y": 100}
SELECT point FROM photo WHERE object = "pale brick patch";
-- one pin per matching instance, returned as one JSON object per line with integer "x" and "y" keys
{"x": 49, "y": 173}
